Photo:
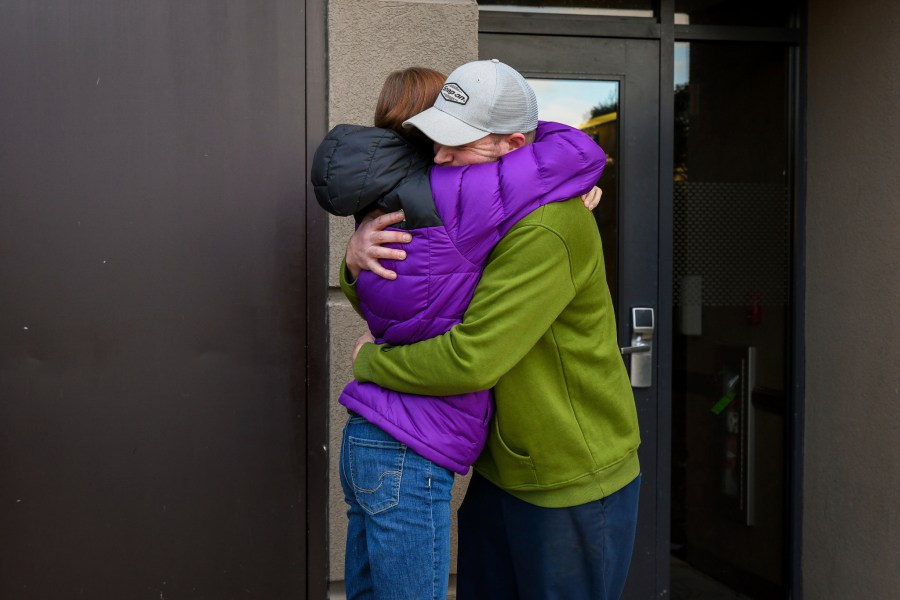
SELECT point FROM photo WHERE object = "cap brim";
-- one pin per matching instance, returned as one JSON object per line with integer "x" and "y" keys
{"x": 444, "y": 129}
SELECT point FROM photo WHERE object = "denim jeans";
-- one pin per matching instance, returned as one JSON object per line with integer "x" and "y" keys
{"x": 512, "y": 550}
{"x": 398, "y": 536}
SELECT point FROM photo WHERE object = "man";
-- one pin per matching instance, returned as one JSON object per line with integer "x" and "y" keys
{"x": 552, "y": 506}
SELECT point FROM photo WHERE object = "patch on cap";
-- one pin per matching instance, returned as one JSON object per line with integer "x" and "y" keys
{"x": 453, "y": 93}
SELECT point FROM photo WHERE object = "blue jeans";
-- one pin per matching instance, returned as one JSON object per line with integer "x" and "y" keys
{"x": 398, "y": 536}
{"x": 512, "y": 550}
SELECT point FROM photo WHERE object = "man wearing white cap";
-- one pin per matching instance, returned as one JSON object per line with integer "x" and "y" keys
{"x": 552, "y": 506}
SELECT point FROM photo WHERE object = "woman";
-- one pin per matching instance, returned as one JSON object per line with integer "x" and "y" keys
{"x": 399, "y": 451}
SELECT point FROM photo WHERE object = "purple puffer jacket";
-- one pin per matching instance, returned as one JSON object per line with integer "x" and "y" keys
{"x": 475, "y": 207}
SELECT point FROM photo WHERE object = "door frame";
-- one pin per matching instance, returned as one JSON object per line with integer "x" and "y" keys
{"x": 662, "y": 27}
{"x": 314, "y": 458}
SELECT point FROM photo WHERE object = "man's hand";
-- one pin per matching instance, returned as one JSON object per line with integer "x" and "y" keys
{"x": 592, "y": 198}
{"x": 366, "y": 245}
{"x": 366, "y": 338}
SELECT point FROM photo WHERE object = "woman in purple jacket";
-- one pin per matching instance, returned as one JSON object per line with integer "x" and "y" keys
{"x": 399, "y": 451}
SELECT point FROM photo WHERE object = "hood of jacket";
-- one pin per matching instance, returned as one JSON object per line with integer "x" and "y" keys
{"x": 357, "y": 169}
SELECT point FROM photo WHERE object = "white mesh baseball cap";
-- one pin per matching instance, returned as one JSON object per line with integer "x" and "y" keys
{"x": 478, "y": 98}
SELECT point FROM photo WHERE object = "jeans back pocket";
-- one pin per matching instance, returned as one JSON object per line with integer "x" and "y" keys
{"x": 376, "y": 468}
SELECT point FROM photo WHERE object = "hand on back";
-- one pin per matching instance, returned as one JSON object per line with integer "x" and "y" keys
{"x": 592, "y": 198}
{"x": 366, "y": 247}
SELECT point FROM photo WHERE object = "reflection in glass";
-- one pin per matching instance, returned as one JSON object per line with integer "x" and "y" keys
{"x": 762, "y": 13}
{"x": 591, "y": 106}
{"x": 731, "y": 283}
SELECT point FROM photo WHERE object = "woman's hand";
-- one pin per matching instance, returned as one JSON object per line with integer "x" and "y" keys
{"x": 592, "y": 198}
{"x": 366, "y": 245}
{"x": 367, "y": 338}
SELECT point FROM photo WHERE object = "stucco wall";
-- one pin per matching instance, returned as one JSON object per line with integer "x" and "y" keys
{"x": 367, "y": 39}
{"x": 852, "y": 454}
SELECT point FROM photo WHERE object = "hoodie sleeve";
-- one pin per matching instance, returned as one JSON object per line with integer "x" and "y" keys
{"x": 480, "y": 203}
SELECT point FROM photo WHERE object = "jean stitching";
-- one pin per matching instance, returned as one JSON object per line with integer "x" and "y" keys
{"x": 401, "y": 458}
{"x": 434, "y": 557}
{"x": 341, "y": 462}
{"x": 368, "y": 443}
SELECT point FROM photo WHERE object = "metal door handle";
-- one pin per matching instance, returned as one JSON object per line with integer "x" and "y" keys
{"x": 634, "y": 349}
{"x": 643, "y": 324}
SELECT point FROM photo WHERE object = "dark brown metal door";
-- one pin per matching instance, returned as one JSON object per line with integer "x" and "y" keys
{"x": 152, "y": 299}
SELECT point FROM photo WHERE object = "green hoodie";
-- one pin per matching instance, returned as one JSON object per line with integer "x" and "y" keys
{"x": 540, "y": 330}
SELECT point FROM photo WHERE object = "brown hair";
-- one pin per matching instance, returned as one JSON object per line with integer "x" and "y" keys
{"x": 406, "y": 93}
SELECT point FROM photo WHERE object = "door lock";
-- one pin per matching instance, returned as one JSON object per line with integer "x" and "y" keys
{"x": 641, "y": 348}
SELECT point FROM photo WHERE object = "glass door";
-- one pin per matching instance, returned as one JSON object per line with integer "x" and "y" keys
{"x": 611, "y": 91}
{"x": 732, "y": 306}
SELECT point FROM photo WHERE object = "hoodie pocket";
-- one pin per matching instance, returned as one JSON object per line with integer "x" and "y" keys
{"x": 514, "y": 470}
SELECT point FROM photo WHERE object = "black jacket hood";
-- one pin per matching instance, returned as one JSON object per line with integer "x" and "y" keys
{"x": 357, "y": 169}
